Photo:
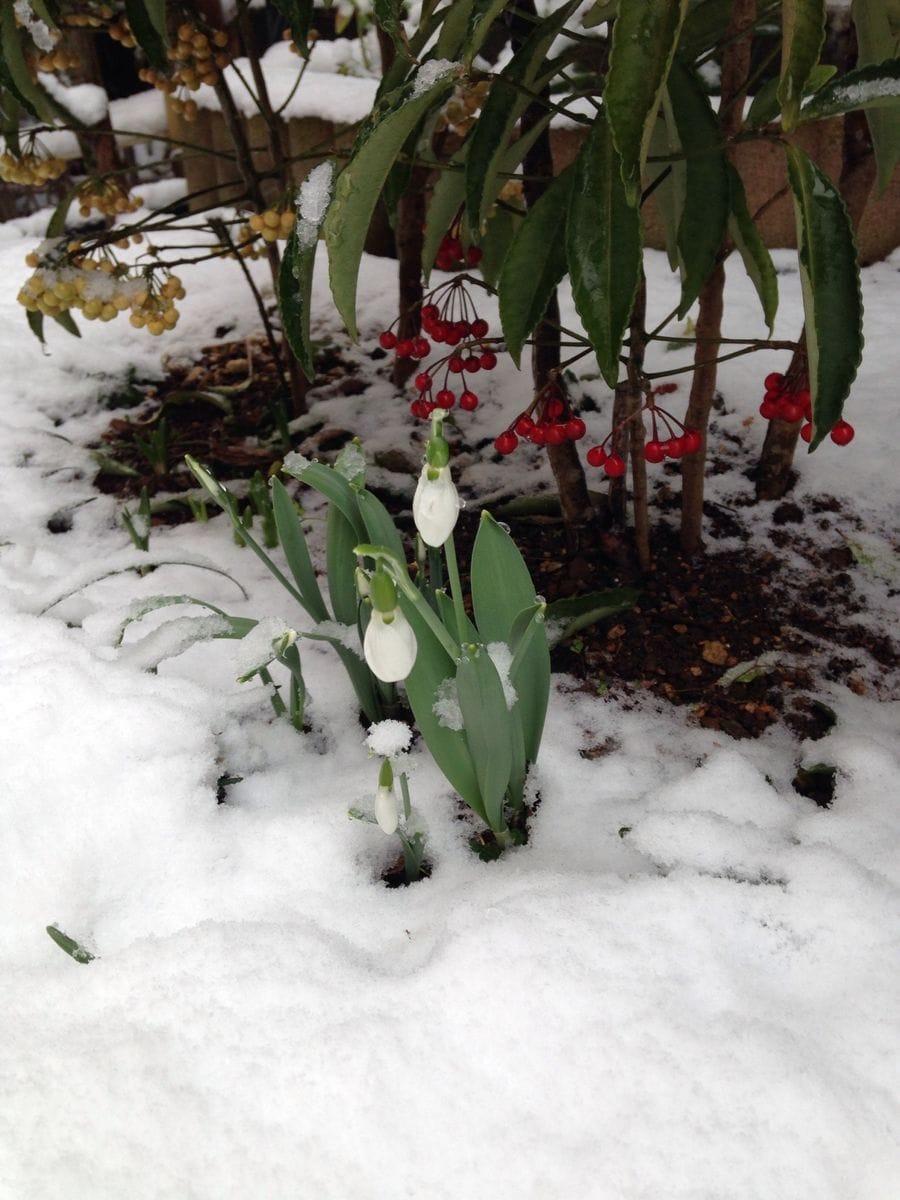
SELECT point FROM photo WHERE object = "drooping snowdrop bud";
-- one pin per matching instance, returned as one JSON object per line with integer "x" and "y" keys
{"x": 362, "y": 583}
{"x": 436, "y": 502}
{"x": 390, "y": 644}
{"x": 387, "y": 812}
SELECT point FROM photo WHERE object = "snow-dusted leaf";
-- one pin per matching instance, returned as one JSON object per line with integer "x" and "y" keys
{"x": 878, "y": 39}
{"x": 874, "y": 86}
{"x": 295, "y": 278}
{"x": 74, "y": 949}
{"x": 488, "y": 729}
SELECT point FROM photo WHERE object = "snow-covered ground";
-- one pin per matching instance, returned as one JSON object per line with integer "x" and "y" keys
{"x": 704, "y": 1007}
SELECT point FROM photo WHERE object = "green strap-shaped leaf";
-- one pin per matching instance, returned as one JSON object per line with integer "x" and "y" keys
{"x": 295, "y": 276}
{"x": 341, "y": 538}
{"x": 578, "y": 612}
{"x": 752, "y": 249}
{"x": 156, "y": 12}
{"x": 600, "y": 11}
{"x": 72, "y": 948}
{"x": 505, "y": 103}
{"x": 296, "y": 551}
{"x": 802, "y": 35}
{"x": 380, "y": 527}
{"x": 704, "y": 26}
{"x": 603, "y": 247}
{"x": 453, "y": 30}
{"x": 644, "y": 37}
{"x": 488, "y": 728}
{"x": 483, "y": 14}
{"x": 832, "y": 302}
{"x": 705, "y": 213}
{"x": 501, "y": 589}
{"x": 15, "y": 68}
{"x": 149, "y": 37}
{"x": 878, "y": 39}
{"x": 446, "y": 610}
{"x": 534, "y": 264}
{"x": 357, "y": 190}
{"x": 875, "y": 86}
{"x": 389, "y": 15}
{"x": 332, "y": 485}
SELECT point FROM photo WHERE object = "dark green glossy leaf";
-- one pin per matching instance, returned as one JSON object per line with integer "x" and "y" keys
{"x": 36, "y": 324}
{"x": 832, "y": 302}
{"x": 295, "y": 276}
{"x": 488, "y": 729}
{"x": 705, "y": 213}
{"x": 765, "y": 108}
{"x": 704, "y": 26}
{"x": 644, "y": 37}
{"x": 802, "y": 35}
{"x": 72, "y": 948}
{"x": 875, "y": 86}
{"x": 496, "y": 241}
{"x": 878, "y": 38}
{"x": 453, "y": 29}
{"x": 357, "y": 190}
{"x": 15, "y": 69}
{"x": 66, "y": 321}
{"x": 534, "y": 264}
{"x": 603, "y": 247}
{"x": 298, "y": 14}
{"x": 483, "y": 15}
{"x": 147, "y": 35}
{"x": 752, "y": 249}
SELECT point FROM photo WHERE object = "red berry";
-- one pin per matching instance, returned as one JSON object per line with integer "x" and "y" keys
{"x": 575, "y": 429}
{"x": 488, "y": 359}
{"x": 456, "y": 365}
{"x": 538, "y": 435}
{"x": 468, "y": 402}
{"x": 614, "y": 466}
{"x": 842, "y": 433}
{"x": 453, "y": 247}
{"x": 524, "y": 426}
{"x": 421, "y": 408}
{"x": 452, "y": 336}
{"x": 506, "y": 442}
{"x": 445, "y": 398}
{"x": 804, "y": 399}
{"x": 480, "y": 327}
{"x": 443, "y": 262}
{"x": 654, "y": 451}
{"x": 472, "y": 364}
{"x": 768, "y": 409}
{"x": 806, "y": 432}
{"x": 438, "y": 332}
{"x": 774, "y": 382}
{"x": 421, "y": 347}
{"x": 430, "y": 313}
{"x": 773, "y": 395}
{"x": 664, "y": 389}
{"x": 692, "y": 440}
{"x": 554, "y": 408}
{"x": 387, "y": 340}
{"x": 790, "y": 412}
{"x": 674, "y": 447}
{"x": 596, "y": 456}
{"x": 473, "y": 256}
{"x": 423, "y": 382}
{"x": 404, "y": 348}
{"x": 556, "y": 435}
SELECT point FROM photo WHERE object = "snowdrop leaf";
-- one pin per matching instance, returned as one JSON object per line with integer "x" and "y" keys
{"x": 705, "y": 213}
{"x": 296, "y": 551}
{"x": 534, "y": 264}
{"x": 878, "y": 38}
{"x": 74, "y": 949}
{"x": 643, "y": 45}
{"x": 752, "y": 249}
{"x": 603, "y": 247}
{"x": 341, "y": 539}
{"x": 380, "y": 528}
{"x": 579, "y": 612}
{"x": 333, "y": 486}
{"x": 295, "y": 276}
{"x": 357, "y": 190}
{"x": 447, "y": 612}
{"x": 802, "y": 35}
{"x": 488, "y": 728}
{"x": 829, "y": 277}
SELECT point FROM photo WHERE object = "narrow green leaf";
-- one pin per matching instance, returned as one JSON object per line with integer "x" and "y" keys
{"x": 878, "y": 39}
{"x": 752, "y": 249}
{"x": 496, "y": 240}
{"x": 832, "y": 301}
{"x": 490, "y": 138}
{"x": 600, "y": 11}
{"x": 765, "y": 107}
{"x": 36, "y": 325}
{"x": 488, "y": 728}
{"x": 156, "y": 12}
{"x": 670, "y": 192}
{"x": 483, "y": 15}
{"x": 389, "y": 15}
{"x": 578, "y": 612}
{"x": 802, "y": 35}
{"x": 380, "y": 527}
{"x": 446, "y": 610}
{"x": 357, "y": 190}
{"x": 704, "y": 26}
{"x": 644, "y": 37}
{"x": 874, "y": 86}
{"x": 148, "y": 37}
{"x": 296, "y": 551}
{"x": 298, "y": 14}
{"x": 295, "y": 276}
{"x": 29, "y": 93}
{"x": 72, "y": 948}
{"x": 705, "y": 213}
{"x": 453, "y": 29}
{"x": 341, "y": 538}
{"x": 534, "y": 264}
{"x": 603, "y": 247}
{"x": 65, "y": 319}
{"x": 333, "y": 486}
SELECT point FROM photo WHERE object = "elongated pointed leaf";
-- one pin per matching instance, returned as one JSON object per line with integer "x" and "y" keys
{"x": 704, "y": 26}
{"x": 298, "y": 14}
{"x": 488, "y": 728}
{"x": 534, "y": 264}
{"x": 578, "y": 612}
{"x": 603, "y": 248}
{"x": 74, "y": 949}
{"x": 296, "y": 551}
{"x": 446, "y": 610}
{"x": 501, "y": 589}
{"x": 380, "y": 527}
{"x": 878, "y": 39}
{"x": 453, "y": 30}
{"x": 765, "y": 106}
{"x": 341, "y": 538}
{"x": 644, "y": 37}
{"x": 705, "y": 213}
{"x": 802, "y": 35}
{"x": 295, "y": 276}
{"x": 832, "y": 302}
{"x": 358, "y": 188}
{"x": 331, "y": 484}
{"x": 496, "y": 240}
{"x": 482, "y": 17}
{"x": 752, "y": 249}
{"x": 668, "y": 194}
{"x": 389, "y": 15}
{"x": 29, "y": 93}
{"x": 875, "y": 86}
{"x": 149, "y": 37}
{"x": 504, "y": 105}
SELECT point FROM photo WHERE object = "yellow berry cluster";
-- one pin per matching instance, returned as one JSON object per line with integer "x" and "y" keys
{"x": 120, "y": 31}
{"x": 91, "y": 18}
{"x": 57, "y": 59}
{"x": 458, "y": 114}
{"x": 262, "y": 229}
{"x": 30, "y": 170}
{"x": 196, "y": 57}
{"x": 100, "y": 290}
{"x": 107, "y": 196}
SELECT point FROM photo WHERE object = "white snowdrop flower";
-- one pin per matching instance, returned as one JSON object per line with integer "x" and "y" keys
{"x": 435, "y": 505}
{"x": 387, "y": 812}
{"x": 389, "y": 646}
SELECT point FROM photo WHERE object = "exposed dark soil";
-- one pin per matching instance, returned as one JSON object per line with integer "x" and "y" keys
{"x": 695, "y": 620}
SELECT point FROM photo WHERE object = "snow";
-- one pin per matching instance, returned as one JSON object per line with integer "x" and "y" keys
{"x": 429, "y": 73}
{"x": 680, "y": 987}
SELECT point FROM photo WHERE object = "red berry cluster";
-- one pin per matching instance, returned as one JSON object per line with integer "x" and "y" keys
{"x": 792, "y": 406}
{"x": 668, "y": 437}
{"x": 548, "y": 421}
{"x": 452, "y": 257}
{"x": 449, "y": 317}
